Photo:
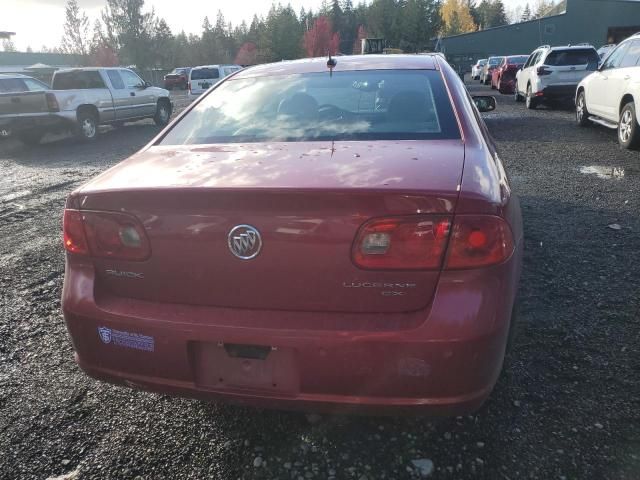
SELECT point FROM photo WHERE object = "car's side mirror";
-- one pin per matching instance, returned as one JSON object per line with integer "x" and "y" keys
{"x": 485, "y": 103}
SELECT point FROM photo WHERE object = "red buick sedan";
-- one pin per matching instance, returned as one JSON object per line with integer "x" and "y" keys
{"x": 307, "y": 235}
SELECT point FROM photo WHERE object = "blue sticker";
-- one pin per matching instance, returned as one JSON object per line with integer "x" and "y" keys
{"x": 126, "y": 339}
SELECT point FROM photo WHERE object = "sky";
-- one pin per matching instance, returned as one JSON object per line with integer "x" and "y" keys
{"x": 39, "y": 23}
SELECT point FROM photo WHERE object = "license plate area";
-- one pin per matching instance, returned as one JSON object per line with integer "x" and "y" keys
{"x": 257, "y": 368}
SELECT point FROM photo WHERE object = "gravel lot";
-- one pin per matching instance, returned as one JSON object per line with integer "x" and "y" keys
{"x": 567, "y": 405}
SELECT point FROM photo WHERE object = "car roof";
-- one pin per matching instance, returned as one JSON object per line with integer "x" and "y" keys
{"x": 88, "y": 69}
{"x": 343, "y": 63}
{"x": 13, "y": 75}
{"x": 218, "y": 65}
{"x": 579, "y": 46}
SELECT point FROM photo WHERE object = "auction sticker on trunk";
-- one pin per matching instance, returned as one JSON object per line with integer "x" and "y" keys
{"x": 110, "y": 336}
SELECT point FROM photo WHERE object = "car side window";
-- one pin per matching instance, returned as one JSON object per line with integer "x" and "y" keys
{"x": 532, "y": 59}
{"x": 34, "y": 85}
{"x": 115, "y": 79}
{"x": 632, "y": 56}
{"x": 615, "y": 58}
{"x": 130, "y": 79}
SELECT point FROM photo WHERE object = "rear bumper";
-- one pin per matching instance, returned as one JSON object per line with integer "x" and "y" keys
{"x": 559, "y": 91}
{"x": 41, "y": 122}
{"x": 443, "y": 360}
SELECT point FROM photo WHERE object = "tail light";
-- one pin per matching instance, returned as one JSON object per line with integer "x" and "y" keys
{"x": 420, "y": 242}
{"x": 105, "y": 234}
{"x": 543, "y": 70}
{"x": 52, "y": 102}
{"x": 402, "y": 243}
{"x": 75, "y": 241}
{"x": 478, "y": 241}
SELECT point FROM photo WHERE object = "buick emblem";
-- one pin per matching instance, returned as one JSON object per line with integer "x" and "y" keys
{"x": 105, "y": 334}
{"x": 245, "y": 241}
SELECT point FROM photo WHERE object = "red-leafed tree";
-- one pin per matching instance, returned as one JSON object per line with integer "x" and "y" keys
{"x": 357, "y": 45}
{"x": 247, "y": 55}
{"x": 104, "y": 56}
{"x": 321, "y": 40}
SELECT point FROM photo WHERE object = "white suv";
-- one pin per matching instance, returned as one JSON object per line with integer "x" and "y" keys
{"x": 553, "y": 73}
{"x": 477, "y": 69}
{"x": 205, "y": 76}
{"x": 611, "y": 95}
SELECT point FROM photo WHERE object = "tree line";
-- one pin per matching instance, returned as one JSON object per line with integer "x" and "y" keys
{"x": 127, "y": 33}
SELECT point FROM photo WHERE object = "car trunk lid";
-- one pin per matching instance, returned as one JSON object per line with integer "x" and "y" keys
{"x": 306, "y": 199}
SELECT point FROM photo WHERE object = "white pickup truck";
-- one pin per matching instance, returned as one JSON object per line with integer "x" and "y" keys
{"x": 80, "y": 100}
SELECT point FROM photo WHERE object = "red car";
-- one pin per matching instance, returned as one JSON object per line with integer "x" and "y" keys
{"x": 503, "y": 78}
{"x": 308, "y": 235}
{"x": 177, "y": 78}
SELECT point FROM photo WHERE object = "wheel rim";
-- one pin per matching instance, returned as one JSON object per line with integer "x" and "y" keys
{"x": 88, "y": 128}
{"x": 163, "y": 114}
{"x": 626, "y": 124}
{"x": 580, "y": 108}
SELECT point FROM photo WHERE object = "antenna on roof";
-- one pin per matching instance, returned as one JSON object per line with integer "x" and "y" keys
{"x": 331, "y": 64}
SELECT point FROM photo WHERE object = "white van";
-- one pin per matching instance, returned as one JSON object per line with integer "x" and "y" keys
{"x": 205, "y": 76}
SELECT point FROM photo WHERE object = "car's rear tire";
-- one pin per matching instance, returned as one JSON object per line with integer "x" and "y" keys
{"x": 530, "y": 101}
{"x": 163, "y": 113}
{"x": 582, "y": 114}
{"x": 628, "y": 131}
{"x": 31, "y": 138}
{"x": 87, "y": 127}
{"x": 493, "y": 87}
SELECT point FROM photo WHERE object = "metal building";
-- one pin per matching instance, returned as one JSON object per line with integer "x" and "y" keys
{"x": 597, "y": 22}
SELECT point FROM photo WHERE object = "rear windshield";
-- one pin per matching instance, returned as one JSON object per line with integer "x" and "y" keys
{"x": 517, "y": 60}
{"x": 561, "y": 58}
{"x": 204, "y": 73}
{"x": 495, "y": 61}
{"x": 372, "y": 105}
{"x": 77, "y": 80}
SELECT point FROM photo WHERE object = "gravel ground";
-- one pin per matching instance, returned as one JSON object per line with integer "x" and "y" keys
{"x": 567, "y": 405}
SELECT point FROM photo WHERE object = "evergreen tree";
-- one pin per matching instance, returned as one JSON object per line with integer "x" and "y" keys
{"x": 76, "y": 30}
{"x": 129, "y": 30}
{"x": 526, "y": 14}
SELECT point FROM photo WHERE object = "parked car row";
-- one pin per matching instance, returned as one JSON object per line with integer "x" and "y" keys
{"x": 604, "y": 83}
